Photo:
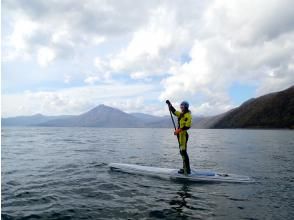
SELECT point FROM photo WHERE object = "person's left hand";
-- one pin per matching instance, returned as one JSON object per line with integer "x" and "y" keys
{"x": 177, "y": 131}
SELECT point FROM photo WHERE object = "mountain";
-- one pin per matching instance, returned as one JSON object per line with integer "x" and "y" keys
{"x": 274, "y": 110}
{"x": 206, "y": 122}
{"x": 146, "y": 118}
{"x": 162, "y": 122}
{"x": 29, "y": 120}
{"x": 101, "y": 116}
{"x": 198, "y": 122}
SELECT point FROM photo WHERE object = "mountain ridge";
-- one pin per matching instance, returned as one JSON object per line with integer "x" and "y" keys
{"x": 100, "y": 116}
{"x": 273, "y": 110}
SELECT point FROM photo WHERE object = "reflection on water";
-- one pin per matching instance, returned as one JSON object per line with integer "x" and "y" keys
{"x": 177, "y": 206}
{"x": 179, "y": 202}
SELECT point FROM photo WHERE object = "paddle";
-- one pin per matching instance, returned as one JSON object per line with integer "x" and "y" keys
{"x": 172, "y": 118}
{"x": 171, "y": 115}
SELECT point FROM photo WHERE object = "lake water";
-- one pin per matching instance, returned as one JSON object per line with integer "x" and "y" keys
{"x": 62, "y": 173}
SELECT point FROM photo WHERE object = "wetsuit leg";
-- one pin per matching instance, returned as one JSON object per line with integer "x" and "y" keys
{"x": 183, "y": 139}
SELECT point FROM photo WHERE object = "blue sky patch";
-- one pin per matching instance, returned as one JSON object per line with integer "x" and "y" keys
{"x": 240, "y": 93}
{"x": 185, "y": 58}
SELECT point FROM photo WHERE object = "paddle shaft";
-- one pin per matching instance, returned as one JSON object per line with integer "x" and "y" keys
{"x": 172, "y": 118}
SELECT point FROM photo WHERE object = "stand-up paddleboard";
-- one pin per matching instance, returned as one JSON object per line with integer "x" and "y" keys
{"x": 167, "y": 173}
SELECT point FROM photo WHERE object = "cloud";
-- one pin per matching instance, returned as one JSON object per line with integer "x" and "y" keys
{"x": 140, "y": 75}
{"x": 45, "y": 56}
{"x": 75, "y": 100}
{"x": 196, "y": 48}
{"x": 91, "y": 80}
{"x": 130, "y": 104}
{"x": 156, "y": 45}
{"x": 238, "y": 42}
{"x": 66, "y": 26}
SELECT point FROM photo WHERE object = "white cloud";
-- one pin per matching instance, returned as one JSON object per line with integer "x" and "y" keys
{"x": 23, "y": 29}
{"x": 101, "y": 74}
{"x": 231, "y": 47}
{"x": 91, "y": 80}
{"x": 45, "y": 56}
{"x": 130, "y": 104}
{"x": 66, "y": 26}
{"x": 60, "y": 36}
{"x": 74, "y": 100}
{"x": 101, "y": 65}
{"x": 140, "y": 75}
{"x": 223, "y": 42}
{"x": 152, "y": 46}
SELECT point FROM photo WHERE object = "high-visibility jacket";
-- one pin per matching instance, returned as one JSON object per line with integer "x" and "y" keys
{"x": 184, "y": 120}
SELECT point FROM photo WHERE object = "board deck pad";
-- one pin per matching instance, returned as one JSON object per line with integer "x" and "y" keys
{"x": 168, "y": 173}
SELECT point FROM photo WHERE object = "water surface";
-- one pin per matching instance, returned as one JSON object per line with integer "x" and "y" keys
{"x": 62, "y": 173}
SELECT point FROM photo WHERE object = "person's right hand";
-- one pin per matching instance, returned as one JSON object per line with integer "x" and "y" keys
{"x": 177, "y": 131}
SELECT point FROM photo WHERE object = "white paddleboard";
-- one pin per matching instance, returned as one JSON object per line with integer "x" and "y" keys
{"x": 167, "y": 173}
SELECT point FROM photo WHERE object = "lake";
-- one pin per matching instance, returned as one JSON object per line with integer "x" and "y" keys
{"x": 62, "y": 173}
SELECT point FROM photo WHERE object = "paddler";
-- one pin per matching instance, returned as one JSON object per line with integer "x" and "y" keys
{"x": 184, "y": 124}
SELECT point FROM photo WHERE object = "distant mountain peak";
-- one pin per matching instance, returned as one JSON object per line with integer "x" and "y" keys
{"x": 103, "y": 107}
{"x": 38, "y": 115}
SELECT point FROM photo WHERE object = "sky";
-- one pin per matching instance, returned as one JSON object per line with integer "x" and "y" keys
{"x": 66, "y": 57}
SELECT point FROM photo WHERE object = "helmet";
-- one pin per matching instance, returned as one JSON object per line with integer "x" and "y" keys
{"x": 185, "y": 104}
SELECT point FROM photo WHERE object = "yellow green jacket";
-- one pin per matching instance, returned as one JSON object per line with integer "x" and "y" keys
{"x": 184, "y": 119}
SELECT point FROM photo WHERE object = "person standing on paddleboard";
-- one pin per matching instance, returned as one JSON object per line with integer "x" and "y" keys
{"x": 184, "y": 123}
